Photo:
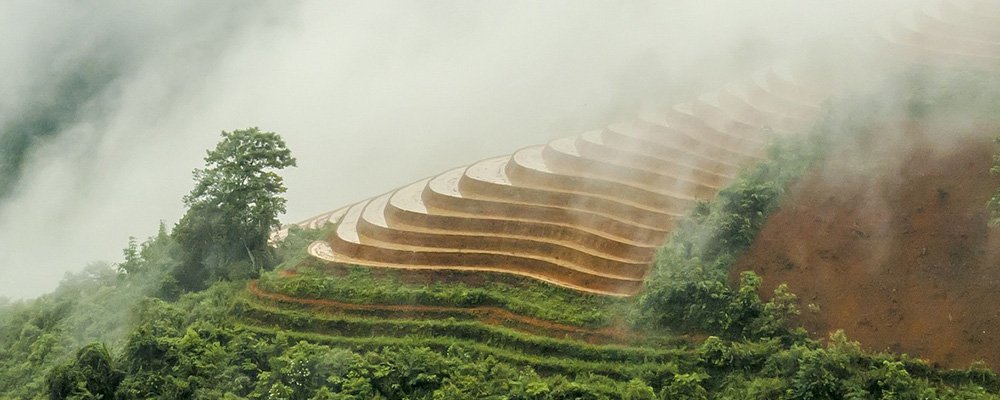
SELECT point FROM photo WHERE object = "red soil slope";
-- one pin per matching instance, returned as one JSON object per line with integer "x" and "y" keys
{"x": 890, "y": 240}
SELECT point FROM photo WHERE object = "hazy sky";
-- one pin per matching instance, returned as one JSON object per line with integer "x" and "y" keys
{"x": 369, "y": 95}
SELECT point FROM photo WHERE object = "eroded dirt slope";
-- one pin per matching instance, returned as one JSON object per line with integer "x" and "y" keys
{"x": 889, "y": 238}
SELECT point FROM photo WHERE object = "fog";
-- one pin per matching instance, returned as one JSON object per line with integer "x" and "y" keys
{"x": 119, "y": 101}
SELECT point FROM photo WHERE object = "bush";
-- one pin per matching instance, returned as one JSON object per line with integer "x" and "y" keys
{"x": 90, "y": 375}
{"x": 688, "y": 289}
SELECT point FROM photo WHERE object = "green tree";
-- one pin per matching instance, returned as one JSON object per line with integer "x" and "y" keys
{"x": 233, "y": 208}
{"x": 303, "y": 369}
{"x": 636, "y": 389}
{"x": 133, "y": 261}
{"x": 685, "y": 386}
{"x": 91, "y": 375}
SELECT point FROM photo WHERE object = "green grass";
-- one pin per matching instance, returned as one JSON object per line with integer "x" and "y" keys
{"x": 353, "y": 326}
{"x": 540, "y": 363}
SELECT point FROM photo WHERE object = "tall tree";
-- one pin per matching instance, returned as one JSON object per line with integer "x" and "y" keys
{"x": 233, "y": 208}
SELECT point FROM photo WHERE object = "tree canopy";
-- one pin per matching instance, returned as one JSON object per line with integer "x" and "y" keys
{"x": 233, "y": 208}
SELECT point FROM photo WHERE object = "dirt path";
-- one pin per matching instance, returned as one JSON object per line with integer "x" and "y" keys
{"x": 889, "y": 241}
{"x": 489, "y": 315}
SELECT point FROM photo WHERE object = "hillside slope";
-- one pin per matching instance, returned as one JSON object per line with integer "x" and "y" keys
{"x": 889, "y": 239}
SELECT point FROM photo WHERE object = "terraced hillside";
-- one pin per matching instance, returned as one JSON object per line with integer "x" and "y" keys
{"x": 694, "y": 252}
{"x": 588, "y": 212}
{"x": 585, "y": 212}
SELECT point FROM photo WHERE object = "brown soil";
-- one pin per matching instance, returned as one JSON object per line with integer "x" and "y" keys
{"x": 488, "y": 315}
{"x": 889, "y": 238}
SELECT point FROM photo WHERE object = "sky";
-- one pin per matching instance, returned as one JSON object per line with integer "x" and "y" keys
{"x": 107, "y": 107}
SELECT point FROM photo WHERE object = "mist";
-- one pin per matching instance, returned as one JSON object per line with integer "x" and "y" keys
{"x": 106, "y": 108}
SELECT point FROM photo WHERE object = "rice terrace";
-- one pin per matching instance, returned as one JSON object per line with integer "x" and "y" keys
{"x": 821, "y": 227}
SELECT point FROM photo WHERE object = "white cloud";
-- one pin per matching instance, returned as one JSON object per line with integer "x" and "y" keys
{"x": 369, "y": 95}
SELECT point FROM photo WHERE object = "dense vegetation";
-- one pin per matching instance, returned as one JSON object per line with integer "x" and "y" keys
{"x": 89, "y": 307}
{"x": 130, "y": 331}
{"x": 196, "y": 348}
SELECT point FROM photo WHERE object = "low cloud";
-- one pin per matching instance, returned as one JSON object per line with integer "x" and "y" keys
{"x": 369, "y": 95}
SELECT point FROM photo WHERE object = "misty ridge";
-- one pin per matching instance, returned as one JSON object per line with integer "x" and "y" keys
{"x": 106, "y": 109}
